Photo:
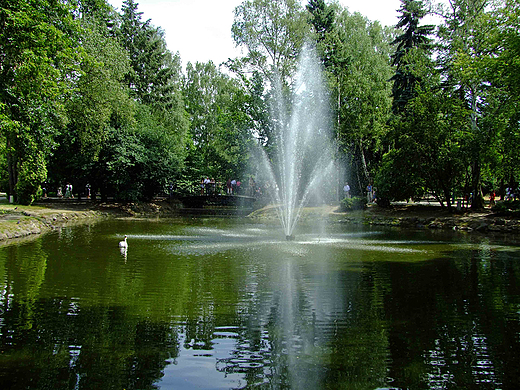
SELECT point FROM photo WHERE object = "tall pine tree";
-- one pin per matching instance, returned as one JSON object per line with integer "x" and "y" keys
{"x": 413, "y": 36}
{"x": 152, "y": 79}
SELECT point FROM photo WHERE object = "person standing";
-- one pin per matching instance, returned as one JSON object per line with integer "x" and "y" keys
{"x": 346, "y": 191}
{"x": 207, "y": 185}
{"x": 213, "y": 185}
{"x": 252, "y": 189}
{"x": 369, "y": 193}
{"x": 228, "y": 187}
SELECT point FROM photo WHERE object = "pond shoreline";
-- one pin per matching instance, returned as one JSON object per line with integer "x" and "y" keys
{"x": 414, "y": 215}
{"x": 18, "y": 221}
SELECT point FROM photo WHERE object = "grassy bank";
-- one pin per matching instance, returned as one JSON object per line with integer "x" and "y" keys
{"x": 21, "y": 221}
{"x": 29, "y": 221}
{"x": 417, "y": 216}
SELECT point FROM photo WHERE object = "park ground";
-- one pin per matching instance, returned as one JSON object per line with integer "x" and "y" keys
{"x": 25, "y": 222}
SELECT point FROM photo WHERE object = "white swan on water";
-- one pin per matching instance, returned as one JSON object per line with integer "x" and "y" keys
{"x": 123, "y": 244}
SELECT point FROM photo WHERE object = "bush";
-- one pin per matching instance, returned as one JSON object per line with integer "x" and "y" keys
{"x": 507, "y": 207}
{"x": 383, "y": 202}
{"x": 31, "y": 173}
{"x": 354, "y": 203}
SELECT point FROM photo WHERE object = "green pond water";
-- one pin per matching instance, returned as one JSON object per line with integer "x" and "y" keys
{"x": 229, "y": 304}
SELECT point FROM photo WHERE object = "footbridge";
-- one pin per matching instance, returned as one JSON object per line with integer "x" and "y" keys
{"x": 220, "y": 204}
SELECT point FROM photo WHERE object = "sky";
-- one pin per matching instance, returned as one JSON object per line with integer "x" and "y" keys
{"x": 200, "y": 30}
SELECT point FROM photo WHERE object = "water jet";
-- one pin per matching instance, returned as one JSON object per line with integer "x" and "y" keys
{"x": 302, "y": 158}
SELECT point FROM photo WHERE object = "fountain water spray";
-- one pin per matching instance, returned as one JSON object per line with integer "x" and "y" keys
{"x": 303, "y": 158}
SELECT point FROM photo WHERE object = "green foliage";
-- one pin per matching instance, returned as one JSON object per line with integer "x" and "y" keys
{"x": 431, "y": 148}
{"x": 153, "y": 68}
{"x": 507, "y": 207}
{"x": 413, "y": 36}
{"x": 322, "y": 18}
{"x": 92, "y": 96}
{"x": 354, "y": 203}
{"x": 362, "y": 90}
{"x": 31, "y": 173}
{"x": 220, "y": 125}
{"x": 138, "y": 162}
{"x": 39, "y": 46}
{"x": 396, "y": 179}
{"x": 501, "y": 66}
{"x": 101, "y": 98}
{"x": 272, "y": 33}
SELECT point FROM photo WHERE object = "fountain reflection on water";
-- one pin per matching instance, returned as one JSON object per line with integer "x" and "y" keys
{"x": 221, "y": 303}
{"x": 303, "y": 156}
{"x": 292, "y": 303}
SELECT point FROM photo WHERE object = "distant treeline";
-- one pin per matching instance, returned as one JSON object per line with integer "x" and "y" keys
{"x": 89, "y": 95}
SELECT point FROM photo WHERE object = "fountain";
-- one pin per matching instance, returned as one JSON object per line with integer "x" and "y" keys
{"x": 303, "y": 157}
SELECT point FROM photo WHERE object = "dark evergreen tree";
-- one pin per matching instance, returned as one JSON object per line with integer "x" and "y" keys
{"x": 152, "y": 79}
{"x": 413, "y": 36}
{"x": 322, "y": 17}
{"x": 322, "y": 20}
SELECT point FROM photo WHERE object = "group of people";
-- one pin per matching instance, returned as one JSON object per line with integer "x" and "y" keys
{"x": 208, "y": 186}
{"x": 211, "y": 186}
{"x": 512, "y": 194}
{"x": 371, "y": 192}
{"x": 232, "y": 187}
{"x": 68, "y": 192}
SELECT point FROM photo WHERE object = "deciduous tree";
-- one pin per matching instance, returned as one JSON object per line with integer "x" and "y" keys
{"x": 39, "y": 53}
{"x": 272, "y": 33}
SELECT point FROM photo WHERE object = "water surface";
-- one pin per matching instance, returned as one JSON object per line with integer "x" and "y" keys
{"x": 228, "y": 304}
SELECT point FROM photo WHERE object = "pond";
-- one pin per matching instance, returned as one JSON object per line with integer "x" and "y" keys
{"x": 229, "y": 304}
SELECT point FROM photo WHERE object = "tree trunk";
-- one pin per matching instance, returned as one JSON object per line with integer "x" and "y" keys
{"x": 11, "y": 168}
{"x": 447, "y": 196}
{"x": 363, "y": 161}
{"x": 476, "y": 187}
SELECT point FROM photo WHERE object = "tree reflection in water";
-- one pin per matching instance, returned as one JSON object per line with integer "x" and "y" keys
{"x": 228, "y": 308}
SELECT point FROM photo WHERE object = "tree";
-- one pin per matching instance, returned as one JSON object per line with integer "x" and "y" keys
{"x": 323, "y": 21}
{"x": 322, "y": 18}
{"x": 413, "y": 36}
{"x": 363, "y": 93}
{"x": 430, "y": 152}
{"x": 155, "y": 81}
{"x": 273, "y": 33}
{"x": 464, "y": 39}
{"x": 501, "y": 67}
{"x": 39, "y": 46}
{"x": 100, "y": 101}
{"x": 153, "y": 76}
{"x": 219, "y": 110}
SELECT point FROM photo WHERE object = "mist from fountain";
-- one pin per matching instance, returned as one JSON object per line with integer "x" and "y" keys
{"x": 303, "y": 158}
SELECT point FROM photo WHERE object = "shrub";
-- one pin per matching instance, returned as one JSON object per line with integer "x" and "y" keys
{"x": 507, "y": 207}
{"x": 31, "y": 173}
{"x": 354, "y": 203}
